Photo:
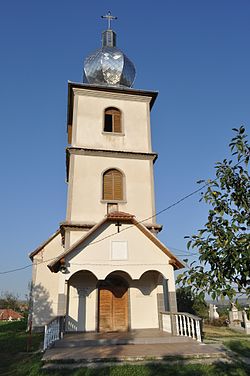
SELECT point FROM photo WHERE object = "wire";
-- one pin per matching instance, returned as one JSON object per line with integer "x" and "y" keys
{"x": 115, "y": 233}
{"x": 16, "y": 270}
{"x": 124, "y": 229}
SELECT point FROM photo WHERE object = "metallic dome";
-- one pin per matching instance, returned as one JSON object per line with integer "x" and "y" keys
{"x": 108, "y": 65}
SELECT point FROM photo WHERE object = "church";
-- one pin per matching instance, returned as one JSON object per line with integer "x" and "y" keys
{"x": 105, "y": 269}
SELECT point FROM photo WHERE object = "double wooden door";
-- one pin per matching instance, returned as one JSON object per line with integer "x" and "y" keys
{"x": 113, "y": 308}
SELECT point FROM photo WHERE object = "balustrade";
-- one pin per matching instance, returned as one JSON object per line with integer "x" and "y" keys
{"x": 182, "y": 324}
{"x": 53, "y": 331}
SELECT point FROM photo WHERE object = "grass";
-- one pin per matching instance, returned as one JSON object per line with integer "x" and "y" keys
{"x": 16, "y": 361}
{"x": 241, "y": 347}
{"x": 211, "y": 331}
{"x": 32, "y": 367}
{"x": 13, "y": 347}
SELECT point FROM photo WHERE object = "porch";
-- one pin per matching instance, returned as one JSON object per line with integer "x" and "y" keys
{"x": 136, "y": 345}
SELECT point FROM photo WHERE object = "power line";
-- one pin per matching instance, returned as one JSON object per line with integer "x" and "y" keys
{"x": 144, "y": 220}
{"x": 17, "y": 269}
{"x": 113, "y": 234}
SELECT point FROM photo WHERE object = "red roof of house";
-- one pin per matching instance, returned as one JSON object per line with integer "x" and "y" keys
{"x": 6, "y": 314}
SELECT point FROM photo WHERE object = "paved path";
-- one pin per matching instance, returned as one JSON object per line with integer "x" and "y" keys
{"x": 132, "y": 352}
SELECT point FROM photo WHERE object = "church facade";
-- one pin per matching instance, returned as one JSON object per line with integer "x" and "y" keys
{"x": 104, "y": 269}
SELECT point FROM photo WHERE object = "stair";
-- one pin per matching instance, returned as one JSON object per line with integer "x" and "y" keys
{"x": 134, "y": 346}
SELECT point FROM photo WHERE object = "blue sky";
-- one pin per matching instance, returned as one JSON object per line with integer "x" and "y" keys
{"x": 195, "y": 53}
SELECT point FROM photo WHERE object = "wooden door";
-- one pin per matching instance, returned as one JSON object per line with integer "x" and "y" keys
{"x": 105, "y": 310}
{"x": 113, "y": 309}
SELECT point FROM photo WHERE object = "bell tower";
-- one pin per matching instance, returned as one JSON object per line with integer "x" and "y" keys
{"x": 109, "y": 156}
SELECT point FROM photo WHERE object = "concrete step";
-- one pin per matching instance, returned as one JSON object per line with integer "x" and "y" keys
{"x": 132, "y": 353}
{"x": 79, "y": 342}
{"x": 171, "y": 361}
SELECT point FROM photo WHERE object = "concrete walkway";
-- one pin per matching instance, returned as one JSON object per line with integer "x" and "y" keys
{"x": 131, "y": 352}
{"x": 131, "y": 346}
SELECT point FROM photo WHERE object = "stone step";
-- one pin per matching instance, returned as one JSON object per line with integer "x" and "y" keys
{"x": 70, "y": 343}
{"x": 133, "y": 353}
{"x": 215, "y": 358}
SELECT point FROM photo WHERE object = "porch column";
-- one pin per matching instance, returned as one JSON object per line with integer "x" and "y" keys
{"x": 81, "y": 315}
{"x": 62, "y": 295}
{"x": 169, "y": 295}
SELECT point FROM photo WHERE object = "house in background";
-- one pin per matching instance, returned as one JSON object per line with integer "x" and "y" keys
{"x": 105, "y": 269}
{"x": 7, "y": 314}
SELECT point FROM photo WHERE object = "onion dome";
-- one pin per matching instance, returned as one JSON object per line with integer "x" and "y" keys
{"x": 108, "y": 66}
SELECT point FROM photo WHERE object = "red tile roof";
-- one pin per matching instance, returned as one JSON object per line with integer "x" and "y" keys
{"x": 9, "y": 314}
{"x": 120, "y": 215}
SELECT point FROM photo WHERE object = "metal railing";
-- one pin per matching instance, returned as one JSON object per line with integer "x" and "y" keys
{"x": 182, "y": 324}
{"x": 53, "y": 331}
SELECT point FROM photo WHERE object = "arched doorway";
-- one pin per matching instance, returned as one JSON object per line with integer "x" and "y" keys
{"x": 113, "y": 304}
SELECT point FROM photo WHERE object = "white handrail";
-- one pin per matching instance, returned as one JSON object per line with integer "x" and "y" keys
{"x": 182, "y": 324}
{"x": 53, "y": 331}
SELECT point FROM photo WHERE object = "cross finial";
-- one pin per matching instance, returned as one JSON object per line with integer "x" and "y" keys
{"x": 109, "y": 18}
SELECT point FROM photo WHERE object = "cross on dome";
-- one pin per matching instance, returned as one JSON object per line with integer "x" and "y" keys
{"x": 109, "y": 17}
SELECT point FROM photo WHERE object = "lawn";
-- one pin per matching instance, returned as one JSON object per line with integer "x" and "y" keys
{"x": 241, "y": 347}
{"x": 211, "y": 331}
{"x": 16, "y": 361}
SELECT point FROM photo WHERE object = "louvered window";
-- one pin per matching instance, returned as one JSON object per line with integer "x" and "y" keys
{"x": 112, "y": 185}
{"x": 112, "y": 120}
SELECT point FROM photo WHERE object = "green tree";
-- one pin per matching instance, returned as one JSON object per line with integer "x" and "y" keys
{"x": 187, "y": 301}
{"x": 9, "y": 300}
{"x": 223, "y": 243}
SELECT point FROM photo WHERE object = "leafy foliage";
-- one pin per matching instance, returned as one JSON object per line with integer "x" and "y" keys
{"x": 9, "y": 300}
{"x": 224, "y": 243}
{"x": 187, "y": 301}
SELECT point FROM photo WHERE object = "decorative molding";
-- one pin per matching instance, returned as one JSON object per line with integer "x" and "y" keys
{"x": 106, "y": 152}
{"x": 105, "y": 94}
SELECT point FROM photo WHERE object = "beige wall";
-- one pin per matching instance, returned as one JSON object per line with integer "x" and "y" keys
{"x": 143, "y": 302}
{"x": 85, "y": 187}
{"x": 85, "y": 171}
{"x": 71, "y": 236}
{"x": 88, "y": 121}
{"x": 95, "y": 254}
{"x": 144, "y": 259}
{"x": 82, "y": 303}
{"x": 45, "y": 283}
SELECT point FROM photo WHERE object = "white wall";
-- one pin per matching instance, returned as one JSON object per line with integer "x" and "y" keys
{"x": 88, "y": 121}
{"x": 82, "y": 303}
{"x": 85, "y": 202}
{"x": 45, "y": 283}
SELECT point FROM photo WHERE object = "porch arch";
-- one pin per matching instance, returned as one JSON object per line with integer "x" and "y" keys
{"x": 81, "y": 302}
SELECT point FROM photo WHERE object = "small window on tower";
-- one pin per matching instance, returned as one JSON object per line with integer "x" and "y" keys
{"x": 112, "y": 120}
{"x": 112, "y": 188}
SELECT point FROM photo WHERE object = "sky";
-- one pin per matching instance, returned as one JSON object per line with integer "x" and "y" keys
{"x": 195, "y": 53}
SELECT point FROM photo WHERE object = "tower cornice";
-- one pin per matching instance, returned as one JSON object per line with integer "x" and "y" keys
{"x": 107, "y": 153}
{"x": 107, "y": 91}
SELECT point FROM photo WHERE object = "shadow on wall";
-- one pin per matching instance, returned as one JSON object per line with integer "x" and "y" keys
{"x": 42, "y": 305}
{"x": 81, "y": 286}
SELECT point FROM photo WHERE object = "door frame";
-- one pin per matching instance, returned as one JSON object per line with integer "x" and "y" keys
{"x": 107, "y": 283}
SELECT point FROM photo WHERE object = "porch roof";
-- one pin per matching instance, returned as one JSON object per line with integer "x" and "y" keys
{"x": 54, "y": 266}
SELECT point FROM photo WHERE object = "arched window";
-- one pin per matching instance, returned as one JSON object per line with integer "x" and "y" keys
{"x": 112, "y": 185}
{"x": 112, "y": 120}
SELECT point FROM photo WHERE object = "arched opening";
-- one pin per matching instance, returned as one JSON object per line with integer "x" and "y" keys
{"x": 112, "y": 120}
{"x": 113, "y": 304}
{"x": 81, "y": 298}
{"x": 113, "y": 185}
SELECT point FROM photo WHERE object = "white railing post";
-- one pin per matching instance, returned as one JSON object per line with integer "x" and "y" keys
{"x": 192, "y": 326}
{"x": 52, "y": 332}
{"x": 177, "y": 325}
{"x": 198, "y": 331}
{"x": 183, "y": 324}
